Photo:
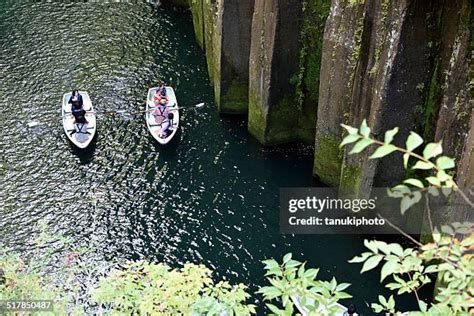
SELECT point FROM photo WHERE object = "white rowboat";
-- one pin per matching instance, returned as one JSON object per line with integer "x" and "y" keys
{"x": 153, "y": 126}
{"x": 80, "y": 135}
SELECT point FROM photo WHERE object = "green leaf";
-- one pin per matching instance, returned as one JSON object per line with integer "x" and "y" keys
{"x": 423, "y": 306}
{"x": 269, "y": 292}
{"x": 333, "y": 284}
{"x": 444, "y": 163}
{"x": 447, "y": 230}
{"x": 387, "y": 269}
{"x": 433, "y": 191}
{"x": 371, "y": 263}
{"x": 349, "y": 139}
{"x": 408, "y": 201}
{"x": 292, "y": 263}
{"x": 443, "y": 176}
{"x": 423, "y": 165}
{"x": 432, "y": 150}
{"x": 431, "y": 269}
{"x": 446, "y": 191}
{"x": 406, "y": 157}
{"x": 364, "y": 129}
{"x": 351, "y": 130}
{"x": 287, "y": 257}
{"x": 270, "y": 263}
{"x": 377, "y": 307}
{"x": 391, "y": 303}
{"x": 360, "y": 145}
{"x": 396, "y": 249}
{"x": 436, "y": 236}
{"x": 413, "y": 141}
{"x": 360, "y": 258}
{"x": 311, "y": 273}
{"x": 414, "y": 182}
{"x": 389, "y": 135}
{"x": 433, "y": 181}
{"x": 274, "y": 309}
{"x": 342, "y": 295}
{"x": 371, "y": 245}
{"x": 383, "y": 151}
{"x": 342, "y": 286}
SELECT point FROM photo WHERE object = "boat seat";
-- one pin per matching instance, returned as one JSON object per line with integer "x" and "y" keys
{"x": 71, "y": 130}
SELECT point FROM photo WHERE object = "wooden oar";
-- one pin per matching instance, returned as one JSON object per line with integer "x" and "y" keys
{"x": 117, "y": 112}
{"x": 197, "y": 106}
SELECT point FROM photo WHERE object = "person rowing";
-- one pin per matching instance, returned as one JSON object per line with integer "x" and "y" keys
{"x": 76, "y": 96}
{"x": 160, "y": 94}
{"x": 77, "y": 108}
{"x": 162, "y": 116}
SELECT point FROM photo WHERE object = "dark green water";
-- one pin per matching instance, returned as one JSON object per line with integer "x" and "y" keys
{"x": 210, "y": 197}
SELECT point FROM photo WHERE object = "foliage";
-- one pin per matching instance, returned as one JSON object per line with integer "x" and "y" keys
{"x": 156, "y": 289}
{"x": 291, "y": 281}
{"x": 20, "y": 281}
{"x": 138, "y": 287}
{"x": 447, "y": 257}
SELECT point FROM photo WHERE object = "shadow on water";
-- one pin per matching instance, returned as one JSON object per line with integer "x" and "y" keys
{"x": 87, "y": 154}
{"x": 168, "y": 151}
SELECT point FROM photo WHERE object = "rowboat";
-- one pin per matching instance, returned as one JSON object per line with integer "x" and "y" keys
{"x": 154, "y": 127}
{"x": 79, "y": 134}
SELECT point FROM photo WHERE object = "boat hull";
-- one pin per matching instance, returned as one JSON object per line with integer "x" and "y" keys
{"x": 80, "y": 135}
{"x": 153, "y": 127}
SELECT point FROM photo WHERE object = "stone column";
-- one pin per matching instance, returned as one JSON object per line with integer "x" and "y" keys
{"x": 273, "y": 111}
{"x": 222, "y": 29}
{"x": 340, "y": 53}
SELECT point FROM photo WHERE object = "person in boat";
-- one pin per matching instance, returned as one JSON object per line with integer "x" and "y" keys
{"x": 160, "y": 94}
{"x": 162, "y": 116}
{"x": 78, "y": 112}
{"x": 75, "y": 96}
{"x": 77, "y": 107}
{"x": 161, "y": 111}
{"x": 166, "y": 124}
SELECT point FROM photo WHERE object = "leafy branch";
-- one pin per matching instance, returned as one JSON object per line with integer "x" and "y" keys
{"x": 447, "y": 256}
{"x": 291, "y": 284}
{"x": 361, "y": 137}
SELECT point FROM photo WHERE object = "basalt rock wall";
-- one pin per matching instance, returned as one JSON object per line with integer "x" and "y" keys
{"x": 395, "y": 63}
{"x": 263, "y": 58}
{"x": 222, "y": 29}
{"x": 300, "y": 68}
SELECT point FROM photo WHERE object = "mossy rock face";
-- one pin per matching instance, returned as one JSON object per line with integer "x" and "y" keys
{"x": 256, "y": 118}
{"x": 315, "y": 16}
{"x": 351, "y": 177}
{"x": 277, "y": 125}
{"x": 234, "y": 99}
{"x": 307, "y": 122}
{"x": 282, "y": 122}
{"x": 198, "y": 21}
{"x": 327, "y": 160}
{"x": 211, "y": 37}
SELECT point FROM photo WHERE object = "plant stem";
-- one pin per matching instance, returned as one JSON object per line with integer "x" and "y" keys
{"x": 400, "y": 231}
{"x": 403, "y": 150}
